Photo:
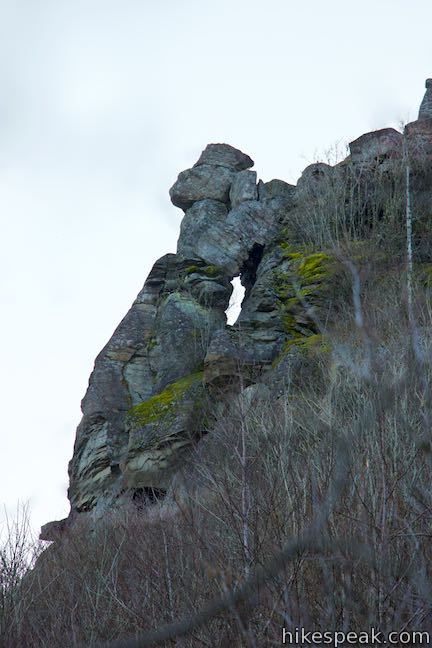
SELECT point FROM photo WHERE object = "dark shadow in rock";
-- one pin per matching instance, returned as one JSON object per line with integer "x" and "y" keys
{"x": 147, "y": 495}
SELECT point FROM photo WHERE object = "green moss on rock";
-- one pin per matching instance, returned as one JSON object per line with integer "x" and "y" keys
{"x": 208, "y": 270}
{"x": 304, "y": 282}
{"x": 191, "y": 269}
{"x": 211, "y": 270}
{"x": 309, "y": 344}
{"x": 164, "y": 404}
{"x": 152, "y": 342}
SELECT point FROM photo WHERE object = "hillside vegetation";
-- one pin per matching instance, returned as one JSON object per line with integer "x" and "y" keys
{"x": 305, "y": 500}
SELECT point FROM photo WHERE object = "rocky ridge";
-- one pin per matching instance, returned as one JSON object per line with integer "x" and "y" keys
{"x": 152, "y": 392}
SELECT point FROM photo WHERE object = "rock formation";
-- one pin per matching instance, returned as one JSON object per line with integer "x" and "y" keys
{"x": 425, "y": 111}
{"x": 151, "y": 393}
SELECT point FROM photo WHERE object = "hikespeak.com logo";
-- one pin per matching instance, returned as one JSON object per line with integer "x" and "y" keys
{"x": 370, "y": 638}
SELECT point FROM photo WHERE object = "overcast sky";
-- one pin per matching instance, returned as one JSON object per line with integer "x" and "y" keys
{"x": 102, "y": 103}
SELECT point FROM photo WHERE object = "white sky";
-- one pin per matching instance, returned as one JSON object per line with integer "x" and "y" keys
{"x": 102, "y": 103}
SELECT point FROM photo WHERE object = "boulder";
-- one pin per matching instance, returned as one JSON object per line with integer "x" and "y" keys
{"x": 184, "y": 328}
{"x": 52, "y": 531}
{"x": 229, "y": 361}
{"x": 211, "y": 177}
{"x": 276, "y": 190}
{"x": 377, "y": 146}
{"x": 314, "y": 180}
{"x": 201, "y": 182}
{"x": 226, "y": 156}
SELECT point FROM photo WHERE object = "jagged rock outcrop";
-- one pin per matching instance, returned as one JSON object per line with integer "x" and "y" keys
{"x": 173, "y": 356}
{"x": 150, "y": 367}
{"x": 425, "y": 111}
{"x": 139, "y": 412}
{"x": 163, "y": 338}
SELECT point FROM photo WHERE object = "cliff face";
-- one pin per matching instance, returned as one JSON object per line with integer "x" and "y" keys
{"x": 152, "y": 393}
{"x": 140, "y": 407}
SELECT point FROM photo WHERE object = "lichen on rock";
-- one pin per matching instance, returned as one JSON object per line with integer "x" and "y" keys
{"x": 303, "y": 284}
{"x": 163, "y": 405}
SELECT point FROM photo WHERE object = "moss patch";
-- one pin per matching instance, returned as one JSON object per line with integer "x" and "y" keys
{"x": 208, "y": 270}
{"x": 309, "y": 344}
{"x": 152, "y": 342}
{"x": 305, "y": 273}
{"x": 164, "y": 404}
{"x": 304, "y": 283}
{"x": 211, "y": 270}
{"x": 191, "y": 269}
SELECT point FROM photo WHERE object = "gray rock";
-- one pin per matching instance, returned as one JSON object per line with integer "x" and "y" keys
{"x": 418, "y": 137}
{"x": 229, "y": 360}
{"x": 52, "y": 531}
{"x": 227, "y": 241}
{"x": 144, "y": 406}
{"x": 161, "y": 430}
{"x": 261, "y": 318}
{"x": 243, "y": 188}
{"x": 201, "y": 182}
{"x": 226, "y": 156}
{"x": 184, "y": 330}
{"x": 314, "y": 180}
{"x": 196, "y": 223}
{"x": 245, "y": 349}
{"x": 210, "y": 285}
{"x": 377, "y": 146}
{"x": 276, "y": 189}
{"x": 425, "y": 111}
